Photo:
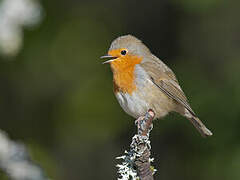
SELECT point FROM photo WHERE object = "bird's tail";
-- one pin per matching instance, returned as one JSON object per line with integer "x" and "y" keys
{"x": 199, "y": 126}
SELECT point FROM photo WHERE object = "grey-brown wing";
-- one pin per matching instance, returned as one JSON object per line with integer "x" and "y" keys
{"x": 167, "y": 84}
{"x": 173, "y": 92}
{"x": 154, "y": 63}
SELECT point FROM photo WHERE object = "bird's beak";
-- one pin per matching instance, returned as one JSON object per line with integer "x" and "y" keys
{"x": 108, "y": 56}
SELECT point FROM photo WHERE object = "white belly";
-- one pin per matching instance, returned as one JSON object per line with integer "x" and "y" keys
{"x": 132, "y": 104}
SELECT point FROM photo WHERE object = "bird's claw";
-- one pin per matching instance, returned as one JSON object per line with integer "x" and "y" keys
{"x": 139, "y": 120}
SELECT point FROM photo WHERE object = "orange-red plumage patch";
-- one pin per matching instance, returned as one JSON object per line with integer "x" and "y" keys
{"x": 123, "y": 71}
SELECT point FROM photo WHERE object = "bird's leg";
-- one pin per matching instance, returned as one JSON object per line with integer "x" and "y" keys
{"x": 139, "y": 120}
{"x": 145, "y": 126}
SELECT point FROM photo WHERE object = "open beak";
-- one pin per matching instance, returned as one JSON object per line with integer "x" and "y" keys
{"x": 108, "y": 56}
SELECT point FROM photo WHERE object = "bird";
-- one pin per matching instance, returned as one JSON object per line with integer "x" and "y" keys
{"x": 141, "y": 81}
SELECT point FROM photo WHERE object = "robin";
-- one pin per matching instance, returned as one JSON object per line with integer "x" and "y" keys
{"x": 141, "y": 82}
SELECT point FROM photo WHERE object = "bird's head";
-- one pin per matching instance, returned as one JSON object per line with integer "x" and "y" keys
{"x": 126, "y": 51}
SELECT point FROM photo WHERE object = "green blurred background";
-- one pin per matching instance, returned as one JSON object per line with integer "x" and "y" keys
{"x": 57, "y": 98}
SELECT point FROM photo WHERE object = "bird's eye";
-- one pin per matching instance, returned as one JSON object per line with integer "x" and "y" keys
{"x": 123, "y": 52}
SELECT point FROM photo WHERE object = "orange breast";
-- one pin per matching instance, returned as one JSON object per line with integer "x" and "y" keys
{"x": 123, "y": 73}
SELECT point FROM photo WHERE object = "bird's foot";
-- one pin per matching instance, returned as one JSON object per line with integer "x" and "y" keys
{"x": 139, "y": 120}
{"x": 144, "y": 123}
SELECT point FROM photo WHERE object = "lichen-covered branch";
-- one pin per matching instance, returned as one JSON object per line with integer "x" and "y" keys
{"x": 137, "y": 162}
{"x": 15, "y": 161}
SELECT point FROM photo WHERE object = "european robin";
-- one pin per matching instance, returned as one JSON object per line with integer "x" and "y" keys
{"x": 141, "y": 82}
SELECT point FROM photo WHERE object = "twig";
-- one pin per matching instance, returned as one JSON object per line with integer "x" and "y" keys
{"x": 15, "y": 161}
{"x": 137, "y": 162}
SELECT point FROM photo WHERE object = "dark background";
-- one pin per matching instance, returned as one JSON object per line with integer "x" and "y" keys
{"x": 56, "y": 96}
